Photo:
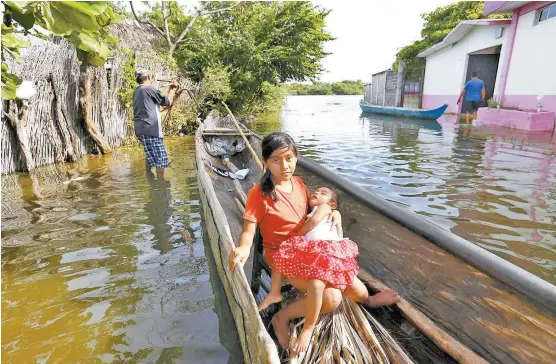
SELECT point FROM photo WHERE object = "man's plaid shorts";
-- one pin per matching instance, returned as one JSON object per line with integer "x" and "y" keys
{"x": 155, "y": 151}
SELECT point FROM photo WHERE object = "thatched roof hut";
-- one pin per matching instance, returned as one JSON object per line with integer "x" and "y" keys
{"x": 53, "y": 130}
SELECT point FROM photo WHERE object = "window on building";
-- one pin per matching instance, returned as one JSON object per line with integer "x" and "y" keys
{"x": 547, "y": 13}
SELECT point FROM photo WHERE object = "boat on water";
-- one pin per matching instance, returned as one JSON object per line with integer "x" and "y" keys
{"x": 460, "y": 303}
{"x": 431, "y": 114}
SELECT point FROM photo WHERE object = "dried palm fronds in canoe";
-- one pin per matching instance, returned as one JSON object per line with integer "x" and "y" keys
{"x": 451, "y": 311}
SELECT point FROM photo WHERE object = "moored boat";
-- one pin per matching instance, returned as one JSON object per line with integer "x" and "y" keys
{"x": 460, "y": 313}
{"x": 431, "y": 114}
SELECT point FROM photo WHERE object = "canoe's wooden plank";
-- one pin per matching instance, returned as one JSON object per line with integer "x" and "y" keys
{"x": 224, "y": 133}
{"x": 240, "y": 193}
{"x": 440, "y": 337}
{"x": 258, "y": 346}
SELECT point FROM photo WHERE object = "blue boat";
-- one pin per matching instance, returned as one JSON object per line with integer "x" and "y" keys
{"x": 432, "y": 114}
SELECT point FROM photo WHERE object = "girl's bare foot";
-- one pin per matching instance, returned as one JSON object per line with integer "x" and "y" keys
{"x": 281, "y": 329}
{"x": 270, "y": 299}
{"x": 302, "y": 342}
{"x": 383, "y": 298}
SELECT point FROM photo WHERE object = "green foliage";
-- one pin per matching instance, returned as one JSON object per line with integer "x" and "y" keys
{"x": 337, "y": 88}
{"x": 125, "y": 93}
{"x": 259, "y": 44}
{"x": 81, "y": 23}
{"x": 437, "y": 24}
{"x": 493, "y": 104}
{"x": 11, "y": 45}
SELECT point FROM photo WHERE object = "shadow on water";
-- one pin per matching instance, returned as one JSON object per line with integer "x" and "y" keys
{"x": 227, "y": 332}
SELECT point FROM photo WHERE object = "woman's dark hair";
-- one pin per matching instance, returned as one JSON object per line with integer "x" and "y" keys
{"x": 271, "y": 143}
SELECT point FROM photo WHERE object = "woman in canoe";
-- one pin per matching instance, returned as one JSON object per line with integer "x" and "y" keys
{"x": 279, "y": 205}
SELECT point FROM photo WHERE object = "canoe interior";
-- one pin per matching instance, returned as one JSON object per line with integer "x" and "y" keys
{"x": 499, "y": 324}
{"x": 484, "y": 314}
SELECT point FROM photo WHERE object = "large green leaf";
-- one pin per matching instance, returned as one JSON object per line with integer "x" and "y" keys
{"x": 9, "y": 84}
{"x": 88, "y": 7}
{"x": 107, "y": 37}
{"x": 93, "y": 44}
{"x": 24, "y": 16}
{"x": 6, "y": 29}
{"x": 90, "y": 58}
{"x": 13, "y": 42}
{"x": 62, "y": 19}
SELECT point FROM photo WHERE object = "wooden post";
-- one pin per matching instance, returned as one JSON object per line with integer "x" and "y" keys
{"x": 399, "y": 85}
{"x": 422, "y": 88}
{"x": 385, "y": 73}
{"x": 244, "y": 137}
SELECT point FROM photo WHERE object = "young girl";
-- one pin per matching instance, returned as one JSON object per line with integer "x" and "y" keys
{"x": 279, "y": 204}
{"x": 311, "y": 254}
{"x": 319, "y": 255}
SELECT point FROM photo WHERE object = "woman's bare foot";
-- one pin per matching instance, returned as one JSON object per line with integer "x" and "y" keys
{"x": 281, "y": 329}
{"x": 302, "y": 342}
{"x": 270, "y": 299}
{"x": 383, "y": 298}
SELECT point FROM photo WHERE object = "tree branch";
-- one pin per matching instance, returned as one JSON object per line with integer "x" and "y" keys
{"x": 184, "y": 33}
{"x": 145, "y": 21}
{"x": 165, "y": 21}
{"x": 197, "y": 14}
{"x": 220, "y": 10}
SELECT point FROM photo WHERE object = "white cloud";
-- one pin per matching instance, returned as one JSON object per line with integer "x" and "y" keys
{"x": 369, "y": 33}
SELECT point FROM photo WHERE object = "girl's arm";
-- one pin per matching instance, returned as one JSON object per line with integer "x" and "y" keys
{"x": 241, "y": 253}
{"x": 336, "y": 218}
{"x": 321, "y": 213}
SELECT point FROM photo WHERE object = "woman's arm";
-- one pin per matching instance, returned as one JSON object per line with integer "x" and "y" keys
{"x": 321, "y": 213}
{"x": 241, "y": 253}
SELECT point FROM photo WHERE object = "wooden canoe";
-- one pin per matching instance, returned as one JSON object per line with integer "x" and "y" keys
{"x": 451, "y": 311}
{"x": 431, "y": 114}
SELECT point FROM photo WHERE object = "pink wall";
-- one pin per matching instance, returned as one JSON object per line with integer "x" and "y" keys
{"x": 509, "y": 44}
{"x": 434, "y": 101}
{"x": 529, "y": 102}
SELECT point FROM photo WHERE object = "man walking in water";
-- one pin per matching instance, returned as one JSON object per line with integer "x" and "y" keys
{"x": 148, "y": 102}
{"x": 476, "y": 92}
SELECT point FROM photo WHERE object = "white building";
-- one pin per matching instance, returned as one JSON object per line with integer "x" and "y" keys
{"x": 515, "y": 58}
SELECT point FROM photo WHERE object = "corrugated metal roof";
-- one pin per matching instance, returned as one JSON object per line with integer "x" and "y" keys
{"x": 501, "y": 7}
{"x": 460, "y": 31}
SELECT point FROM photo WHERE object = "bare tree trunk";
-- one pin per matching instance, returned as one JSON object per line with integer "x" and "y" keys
{"x": 165, "y": 20}
{"x": 17, "y": 118}
{"x": 62, "y": 123}
{"x": 85, "y": 101}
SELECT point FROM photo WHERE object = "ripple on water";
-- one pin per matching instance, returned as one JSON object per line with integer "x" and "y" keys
{"x": 493, "y": 186}
{"x": 110, "y": 268}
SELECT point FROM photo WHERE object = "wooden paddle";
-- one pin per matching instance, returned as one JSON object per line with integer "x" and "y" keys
{"x": 244, "y": 137}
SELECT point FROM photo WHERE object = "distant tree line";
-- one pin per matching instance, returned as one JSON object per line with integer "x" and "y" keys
{"x": 320, "y": 88}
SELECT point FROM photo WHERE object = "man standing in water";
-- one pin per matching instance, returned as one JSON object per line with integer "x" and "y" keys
{"x": 476, "y": 92}
{"x": 148, "y": 102}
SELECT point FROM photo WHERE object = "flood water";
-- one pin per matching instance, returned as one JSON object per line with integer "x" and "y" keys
{"x": 102, "y": 264}
{"x": 494, "y": 186}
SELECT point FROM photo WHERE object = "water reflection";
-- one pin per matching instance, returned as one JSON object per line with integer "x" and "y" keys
{"x": 101, "y": 264}
{"x": 491, "y": 185}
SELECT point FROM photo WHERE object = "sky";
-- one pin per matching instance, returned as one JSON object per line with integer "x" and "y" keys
{"x": 369, "y": 34}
